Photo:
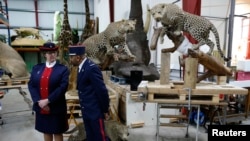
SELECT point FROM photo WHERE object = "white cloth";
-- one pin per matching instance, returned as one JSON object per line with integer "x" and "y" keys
{"x": 184, "y": 46}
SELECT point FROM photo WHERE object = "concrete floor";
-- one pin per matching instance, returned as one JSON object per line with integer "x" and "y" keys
{"x": 19, "y": 124}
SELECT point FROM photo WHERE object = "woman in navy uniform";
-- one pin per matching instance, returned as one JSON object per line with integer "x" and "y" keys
{"x": 47, "y": 86}
{"x": 93, "y": 94}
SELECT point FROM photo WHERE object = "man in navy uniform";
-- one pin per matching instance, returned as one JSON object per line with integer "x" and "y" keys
{"x": 93, "y": 94}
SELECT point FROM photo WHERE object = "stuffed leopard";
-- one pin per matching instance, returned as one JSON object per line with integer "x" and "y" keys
{"x": 176, "y": 20}
{"x": 102, "y": 45}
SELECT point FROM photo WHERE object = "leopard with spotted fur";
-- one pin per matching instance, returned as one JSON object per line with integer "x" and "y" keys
{"x": 101, "y": 46}
{"x": 176, "y": 20}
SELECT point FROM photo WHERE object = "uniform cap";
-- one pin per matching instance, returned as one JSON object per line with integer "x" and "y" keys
{"x": 48, "y": 46}
{"x": 77, "y": 50}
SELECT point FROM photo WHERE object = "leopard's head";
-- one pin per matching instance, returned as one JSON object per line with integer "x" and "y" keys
{"x": 127, "y": 26}
{"x": 123, "y": 133}
{"x": 157, "y": 11}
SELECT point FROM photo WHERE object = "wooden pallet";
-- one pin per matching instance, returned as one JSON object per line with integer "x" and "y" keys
{"x": 11, "y": 82}
{"x": 73, "y": 107}
{"x": 204, "y": 93}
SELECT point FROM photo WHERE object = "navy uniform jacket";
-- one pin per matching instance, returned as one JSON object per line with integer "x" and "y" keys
{"x": 93, "y": 94}
{"x": 58, "y": 84}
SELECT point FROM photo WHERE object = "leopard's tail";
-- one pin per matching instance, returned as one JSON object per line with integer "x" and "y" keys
{"x": 217, "y": 39}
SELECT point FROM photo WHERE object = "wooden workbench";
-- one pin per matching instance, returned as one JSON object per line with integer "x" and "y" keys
{"x": 204, "y": 93}
{"x": 174, "y": 92}
{"x": 244, "y": 84}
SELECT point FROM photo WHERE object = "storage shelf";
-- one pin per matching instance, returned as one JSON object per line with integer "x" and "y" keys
{"x": 26, "y": 49}
{"x": 4, "y": 17}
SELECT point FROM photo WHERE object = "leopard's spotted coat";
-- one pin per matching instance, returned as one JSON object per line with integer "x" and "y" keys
{"x": 102, "y": 45}
{"x": 175, "y": 19}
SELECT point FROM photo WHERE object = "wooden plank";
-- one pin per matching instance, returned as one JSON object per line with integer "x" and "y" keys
{"x": 156, "y": 88}
{"x": 173, "y": 116}
{"x": 217, "y": 89}
{"x": 173, "y": 124}
{"x": 221, "y": 80}
{"x": 165, "y": 71}
{"x": 190, "y": 76}
{"x": 12, "y": 86}
{"x": 11, "y": 82}
{"x": 118, "y": 88}
{"x": 75, "y": 112}
{"x": 137, "y": 124}
{"x": 26, "y": 49}
{"x": 193, "y": 102}
{"x": 200, "y": 89}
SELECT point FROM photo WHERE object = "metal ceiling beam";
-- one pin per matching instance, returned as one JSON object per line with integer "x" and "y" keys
{"x": 45, "y": 11}
{"x": 36, "y": 13}
{"x": 230, "y": 31}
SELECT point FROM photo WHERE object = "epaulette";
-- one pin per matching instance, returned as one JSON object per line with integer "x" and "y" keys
{"x": 91, "y": 63}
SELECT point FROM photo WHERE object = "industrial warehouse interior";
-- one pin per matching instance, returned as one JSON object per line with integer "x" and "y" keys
{"x": 174, "y": 70}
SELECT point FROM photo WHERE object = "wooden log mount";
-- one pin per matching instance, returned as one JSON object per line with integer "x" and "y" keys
{"x": 165, "y": 68}
{"x": 212, "y": 64}
{"x": 190, "y": 76}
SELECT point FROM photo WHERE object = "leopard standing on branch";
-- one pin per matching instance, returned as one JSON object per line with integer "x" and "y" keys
{"x": 175, "y": 19}
{"x": 101, "y": 47}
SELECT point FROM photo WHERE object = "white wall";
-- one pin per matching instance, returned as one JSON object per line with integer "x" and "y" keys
{"x": 46, "y": 10}
{"x": 240, "y": 33}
